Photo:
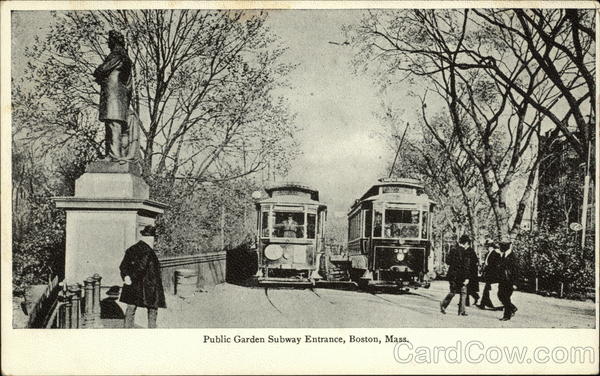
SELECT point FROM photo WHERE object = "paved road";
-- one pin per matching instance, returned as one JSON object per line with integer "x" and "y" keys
{"x": 233, "y": 306}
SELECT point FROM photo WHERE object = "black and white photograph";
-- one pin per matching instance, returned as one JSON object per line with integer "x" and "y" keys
{"x": 214, "y": 168}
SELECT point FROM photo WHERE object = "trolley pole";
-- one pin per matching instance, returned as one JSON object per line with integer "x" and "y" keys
{"x": 222, "y": 227}
{"x": 398, "y": 151}
{"x": 586, "y": 188}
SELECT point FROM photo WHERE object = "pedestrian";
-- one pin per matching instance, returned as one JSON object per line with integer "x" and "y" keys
{"x": 459, "y": 262}
{"x": 490, "y": 274}
{"x": 508, "y": 279}
{"x": 473, "y": 285}
{"x": 142, "y": 280}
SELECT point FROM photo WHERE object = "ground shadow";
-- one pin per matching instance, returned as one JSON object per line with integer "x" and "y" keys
{"x": 110, "y": 309}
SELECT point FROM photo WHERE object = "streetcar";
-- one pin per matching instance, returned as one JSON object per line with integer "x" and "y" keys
{"x": 389, "y": 235}
{"x": 290, "y": 223}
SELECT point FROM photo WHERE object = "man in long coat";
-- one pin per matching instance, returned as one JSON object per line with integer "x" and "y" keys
{"x": 114, "y": 77}
{"x": 459, "y": 272}
{"x": 508, "y": 279}
{"x": 490, "y": 273}
{"x": 142, "y": 281}
{"x": 473, "y": 285}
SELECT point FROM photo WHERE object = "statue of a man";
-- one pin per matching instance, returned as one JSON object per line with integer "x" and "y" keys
{"x": 114, "y": 77}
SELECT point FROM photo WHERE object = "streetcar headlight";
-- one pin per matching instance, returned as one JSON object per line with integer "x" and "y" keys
{"x": 273, "y": 252}
{"x": 400, "y": 256}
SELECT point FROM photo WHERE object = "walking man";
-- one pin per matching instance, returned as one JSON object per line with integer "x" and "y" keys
{"x": 142, "y": 281}
{"x": 459, "y": 262}
{"x": 508, "y": 279}
{"x": 490, "y": 273}
{"x": 473, "y": 284}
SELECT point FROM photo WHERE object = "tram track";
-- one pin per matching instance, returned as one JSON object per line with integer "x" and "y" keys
{"x": 271, "y": 301}
{"x": 390, "y": 302}
{"x": 384, "y": 299}
{"x": 320, "y": 297}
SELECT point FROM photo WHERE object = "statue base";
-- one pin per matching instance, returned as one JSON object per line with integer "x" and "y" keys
{"x": 105, "y": 166}
{"x": 112, "y": 179}
{"x": 110, "y": 207}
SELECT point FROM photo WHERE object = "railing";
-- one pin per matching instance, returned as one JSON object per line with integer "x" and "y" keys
{"x": 76, "y": 306}
{"x": 43, "y": 305}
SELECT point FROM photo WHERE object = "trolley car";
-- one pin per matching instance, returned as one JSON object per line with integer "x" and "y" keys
{"x": 290, "y": 235}
{"x": 389, "y": 232}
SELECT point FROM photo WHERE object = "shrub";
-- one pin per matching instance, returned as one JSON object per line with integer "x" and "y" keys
{"x": 555, "y": 256}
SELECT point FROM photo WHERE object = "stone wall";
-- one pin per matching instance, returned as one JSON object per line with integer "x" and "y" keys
{"x": 210, "y": 267}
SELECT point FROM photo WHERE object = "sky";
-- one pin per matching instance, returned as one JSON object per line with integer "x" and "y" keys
{"x": 342, "y": 151}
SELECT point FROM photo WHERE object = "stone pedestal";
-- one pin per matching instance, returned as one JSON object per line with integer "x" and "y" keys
{"x": 110, "y": 207}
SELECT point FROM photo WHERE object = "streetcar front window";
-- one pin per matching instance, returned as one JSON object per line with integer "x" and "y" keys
{"x": 288, "y": 225}
{"x": 402, "y": 223}
{"x": 377, "y": 224}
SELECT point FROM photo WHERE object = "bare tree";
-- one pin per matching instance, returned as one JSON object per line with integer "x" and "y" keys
{"x": 495, "y": 118}
{"x": 562, "y": 44}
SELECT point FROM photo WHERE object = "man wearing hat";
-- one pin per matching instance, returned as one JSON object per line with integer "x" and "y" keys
{"x": 459, "y": 272}
{"x": 142, "y": 281}
{"x": 508, "y": 279}
{"x": 490, "y": 273}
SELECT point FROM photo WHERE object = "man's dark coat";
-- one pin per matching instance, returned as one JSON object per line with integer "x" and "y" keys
{"x": 141, "y": 265}
{"x": 508, "y": 269}
{"x": 473, "y": 286}
{"x": 460, "y": 264}
{"x": 492, "y": 273}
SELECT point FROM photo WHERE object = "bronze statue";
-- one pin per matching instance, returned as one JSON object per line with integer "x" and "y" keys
{"x": 114, "y": 77}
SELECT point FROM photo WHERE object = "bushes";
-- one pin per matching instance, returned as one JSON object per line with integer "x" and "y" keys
{"x": 555, "y": 256}
{"x": 38, "y": 253}
{"x": 192, "y": 223}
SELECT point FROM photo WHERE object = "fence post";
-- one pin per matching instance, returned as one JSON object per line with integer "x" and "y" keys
{"x": 97, "y": 280}
{"x": 68, "y": 306}
{"x": 60, "y": 316}
{"x": 89, "y": 296}
{"x": 562, "y": 285}
{"x": 76, "y": 306}
{"x": 96, "y": 294}
{"x": 536, "y": 284}
{"x": 97, "y": 310}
